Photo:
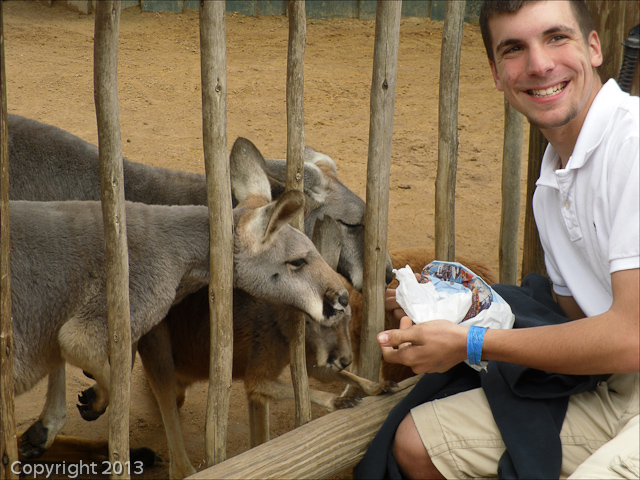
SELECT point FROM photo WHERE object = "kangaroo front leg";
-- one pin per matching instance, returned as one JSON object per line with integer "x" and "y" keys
{"x": 41, "y": 434}
{"x": 279, "y": 390}
{"x": 367, "y": 386}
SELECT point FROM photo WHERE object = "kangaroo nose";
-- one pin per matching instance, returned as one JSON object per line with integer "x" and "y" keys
{"x": 344, "y": 299}
{"x": 345, "y": 362}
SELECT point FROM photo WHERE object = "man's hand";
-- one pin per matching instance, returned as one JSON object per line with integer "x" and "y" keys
{"x": 430, "y": 347}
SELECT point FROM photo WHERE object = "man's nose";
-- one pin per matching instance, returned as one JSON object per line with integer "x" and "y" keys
{"x": 539, "y": 60}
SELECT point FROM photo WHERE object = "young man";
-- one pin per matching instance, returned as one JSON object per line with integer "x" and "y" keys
{"x": 543, "y": 56}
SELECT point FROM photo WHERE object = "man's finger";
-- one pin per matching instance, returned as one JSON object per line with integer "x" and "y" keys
{"x": 395, "y": 338}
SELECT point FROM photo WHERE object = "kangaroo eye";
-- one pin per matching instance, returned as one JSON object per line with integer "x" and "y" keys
{"x": 297, "y": 263}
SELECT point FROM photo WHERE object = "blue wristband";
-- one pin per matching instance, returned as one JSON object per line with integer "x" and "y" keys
{"x": 475, "y": 338}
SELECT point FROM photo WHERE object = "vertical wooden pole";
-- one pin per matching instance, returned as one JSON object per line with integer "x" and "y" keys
{"x": 445, "y": 222}
{"x": 295, "y": 180}
{"x": 509, "y": 220}
{"x": 214, "y": 136}
{"x": 105, "y": 66}
{"x": 8, "y": 441}
{"x": 613, "y": 20}
{"x": 533, "y": 254}
{"x": 382, "y": 104}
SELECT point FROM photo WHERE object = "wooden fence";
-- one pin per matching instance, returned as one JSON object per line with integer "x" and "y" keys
{"x": 362, "y": 9}
{"x": 311, "y": 447}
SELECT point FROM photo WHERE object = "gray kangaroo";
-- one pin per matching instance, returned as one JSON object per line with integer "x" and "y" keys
{"x": 48, "y": 163}
{"x": 175, "y": 354}
{"x": 58, "y": 279}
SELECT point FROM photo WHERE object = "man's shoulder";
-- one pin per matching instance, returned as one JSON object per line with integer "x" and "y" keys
{"x": 626, "y": 107}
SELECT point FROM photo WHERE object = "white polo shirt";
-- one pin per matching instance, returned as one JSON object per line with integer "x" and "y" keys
{"x": 588, "y": 213}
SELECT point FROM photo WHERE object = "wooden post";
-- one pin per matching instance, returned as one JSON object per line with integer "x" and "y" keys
{"x": 214, "y": 138}
{"x": 295, "y": 180}
{"x": 383, "y": 91}
{"x": 105, "y": 81}
{"x": 445, "y": 222}
{"x": 8, "y": 441}
{"x": 613, "y": 20}
{"x": 509, "y": 220}
{"x": 533, "y": 255}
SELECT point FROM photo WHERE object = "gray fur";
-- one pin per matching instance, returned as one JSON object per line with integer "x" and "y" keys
{"x": 48, "y": 163}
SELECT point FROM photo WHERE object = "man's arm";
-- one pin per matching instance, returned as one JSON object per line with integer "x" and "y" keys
{"x": 606, "y": 343}
{"x": 570, "y": 307}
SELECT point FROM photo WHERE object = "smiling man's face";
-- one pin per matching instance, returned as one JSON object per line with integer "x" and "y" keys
{"x": 544, "y": 65}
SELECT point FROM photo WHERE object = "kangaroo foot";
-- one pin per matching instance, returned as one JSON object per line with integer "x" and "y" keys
{"x": 85, "y": 408}
{"x": 145, "y": 455}
{"x": 346, "y": 402}
{"x": 389, "y": 386}
{"x": 33, "y": 441}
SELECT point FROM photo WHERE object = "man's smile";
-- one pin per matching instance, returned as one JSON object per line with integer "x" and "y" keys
{"x": 548, "y": 92}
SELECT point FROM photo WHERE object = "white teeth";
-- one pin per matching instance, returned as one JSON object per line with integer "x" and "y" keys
{"x": 548, "y": 91}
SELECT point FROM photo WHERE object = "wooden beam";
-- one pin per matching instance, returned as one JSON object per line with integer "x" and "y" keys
{"x": 510, "y": 217}
{"x": 445, "y": 223}
{"x": 383, "y": 91}
{"x": 319, "y": 449}
{"x": 105, "y": 81}
{"x": 295, "y": 181}
{"x": 8, "y": 441}
{"x": 216, "y": 160}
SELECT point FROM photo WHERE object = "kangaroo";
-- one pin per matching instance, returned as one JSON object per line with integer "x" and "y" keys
{"x": 58, "y": 280}
{"x": 175, "y": 354}
{"x": 48, "y": 163}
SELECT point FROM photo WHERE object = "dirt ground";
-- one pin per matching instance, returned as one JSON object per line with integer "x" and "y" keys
{"x": 49, "y": 61}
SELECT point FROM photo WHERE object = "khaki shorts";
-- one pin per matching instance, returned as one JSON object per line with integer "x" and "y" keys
{"x": 463, "y": 440}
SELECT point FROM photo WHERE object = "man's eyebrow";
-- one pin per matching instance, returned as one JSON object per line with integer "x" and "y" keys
{"x": 549, "y": 31}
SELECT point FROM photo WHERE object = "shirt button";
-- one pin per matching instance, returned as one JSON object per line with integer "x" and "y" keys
{"x": 567, "y": 205}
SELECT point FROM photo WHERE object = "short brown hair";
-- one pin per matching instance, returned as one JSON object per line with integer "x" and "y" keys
{"x": 491, "y": 8}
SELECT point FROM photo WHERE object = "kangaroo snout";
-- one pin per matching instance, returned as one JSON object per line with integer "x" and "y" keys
{"x": 333, "y": 306}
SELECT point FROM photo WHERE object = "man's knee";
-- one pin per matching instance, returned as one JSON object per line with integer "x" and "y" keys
{"x": 410, "y": 453}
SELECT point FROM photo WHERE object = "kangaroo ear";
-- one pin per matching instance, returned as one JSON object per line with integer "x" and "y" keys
{"x": 327, "y": 238}
{"x": 248, "y": 171}
{"x": 280, "y": 212}
{"x": 322, "y": 161}
{"x": 315, "y": 180}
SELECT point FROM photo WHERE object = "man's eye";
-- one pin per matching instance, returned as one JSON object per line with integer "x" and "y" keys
{"x": 297, "y": 263}
{"x": 513, "y": 49}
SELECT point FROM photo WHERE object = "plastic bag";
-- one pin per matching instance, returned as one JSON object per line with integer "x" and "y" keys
{"x": 450, "y": 291}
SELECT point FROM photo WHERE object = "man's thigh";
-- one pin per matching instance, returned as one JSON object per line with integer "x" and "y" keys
{"x": 618, "y": 458}
{"x": 463, "y": 440}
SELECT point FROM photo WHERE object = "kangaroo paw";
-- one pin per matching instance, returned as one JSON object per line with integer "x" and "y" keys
{"x": 389, "y": 387}
{"x": 87, "y": 413}
{"x": 87, "y": 397}
{"x": 33, "y": 441}
{"x": 346, "y": 402}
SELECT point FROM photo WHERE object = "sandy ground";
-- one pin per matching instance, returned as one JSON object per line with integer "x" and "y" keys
{"x": 49, "y": 61}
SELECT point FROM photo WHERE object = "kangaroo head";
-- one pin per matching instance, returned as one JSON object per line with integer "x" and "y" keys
{"x": 326, "y": 195}
{"x": 272, "y": 260}
{"x": 328, "y": 348}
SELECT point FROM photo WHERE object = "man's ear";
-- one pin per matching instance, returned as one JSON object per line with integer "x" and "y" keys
{"x": 595, "y": 50}
{"x": 496, "y": 79}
